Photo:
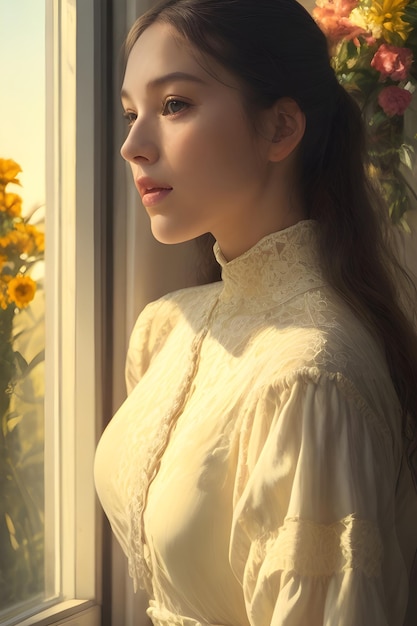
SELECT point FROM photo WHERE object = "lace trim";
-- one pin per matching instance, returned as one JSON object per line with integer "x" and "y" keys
{"x": 318, "y": 550}
{"x": 138, "y": 557}
{"x": 281, "y": 261}
{"x": 140, "y": 467}
{"x": 279, "y": 266}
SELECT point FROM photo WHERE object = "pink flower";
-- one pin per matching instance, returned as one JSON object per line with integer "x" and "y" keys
{"x": 333, "y": 18}
{"x": 392, "y": 62}
{"x": 393, "y": 100}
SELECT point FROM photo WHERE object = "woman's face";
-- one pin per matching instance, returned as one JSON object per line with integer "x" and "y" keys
{"x": 196, "y": 160}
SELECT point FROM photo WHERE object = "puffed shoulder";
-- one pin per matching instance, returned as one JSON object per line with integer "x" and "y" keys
{"x": 156, "y": 322}
{"x": 313, "y": 535}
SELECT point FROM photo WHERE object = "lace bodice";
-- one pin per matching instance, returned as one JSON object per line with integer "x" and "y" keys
{"x": 278, "y": 267}
{"x": 251, "y": 474}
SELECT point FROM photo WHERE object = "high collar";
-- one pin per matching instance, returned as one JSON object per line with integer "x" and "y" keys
{"x": 277, "y": 267}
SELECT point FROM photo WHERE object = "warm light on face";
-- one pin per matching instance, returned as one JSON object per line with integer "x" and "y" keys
{"x": 196, "y": 159}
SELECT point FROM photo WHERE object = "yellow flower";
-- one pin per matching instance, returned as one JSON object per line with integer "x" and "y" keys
{"x": 37, "y": 237}
{"x": 4, "y": 302}
{"x": 21, "y": 290}
{"x": 4, "y": 296}
{"x": 11, "y": 203}
{"x": 3, "y": 261}
{"x": 9, "y": 170}
{"x": 386, "y": 15}
{"x": 35, "y": 241}
{"x": 23, "y": 239}
{"x": 16, "y": 241}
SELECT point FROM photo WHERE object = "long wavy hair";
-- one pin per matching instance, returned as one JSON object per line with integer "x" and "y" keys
{"x": 276, "y": 50}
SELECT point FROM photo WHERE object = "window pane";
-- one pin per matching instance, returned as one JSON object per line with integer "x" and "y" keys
{"x": 22, "y": 147}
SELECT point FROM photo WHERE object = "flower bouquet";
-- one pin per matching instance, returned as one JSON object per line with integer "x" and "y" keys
{"x": 373, "y": 48}
{"x": 21, "y": 454}
{"x": 21, "y": 247}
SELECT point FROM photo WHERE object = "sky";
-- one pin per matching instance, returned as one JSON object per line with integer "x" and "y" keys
{"x": 22, "y": 94}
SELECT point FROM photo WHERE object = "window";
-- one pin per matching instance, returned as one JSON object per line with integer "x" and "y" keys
{"x": 22, "y": 337}
{"x": 60, "y": 44}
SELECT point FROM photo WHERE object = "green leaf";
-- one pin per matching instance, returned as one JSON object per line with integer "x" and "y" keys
{"x": 406, "y": 153}
{"x": 24, "y": 368}
{"x": 21, "y": 362}
{"x": 39, "y": 358}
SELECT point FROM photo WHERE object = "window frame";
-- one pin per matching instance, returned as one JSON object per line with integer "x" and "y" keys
{"x": 77, "y": 287}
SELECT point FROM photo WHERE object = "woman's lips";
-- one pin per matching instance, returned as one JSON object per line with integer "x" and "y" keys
{"x": 151, "y": 197}
{"x": 151, "y": 191}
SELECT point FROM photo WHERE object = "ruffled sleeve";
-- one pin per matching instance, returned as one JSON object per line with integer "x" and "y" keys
{"x": 314, "y": 539}
{"x": 147, "y": 338}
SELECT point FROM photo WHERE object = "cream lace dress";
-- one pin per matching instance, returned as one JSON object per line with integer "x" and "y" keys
{"x": 256, "y": 473}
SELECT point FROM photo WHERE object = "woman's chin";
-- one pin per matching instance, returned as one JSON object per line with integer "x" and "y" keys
{"x": 171, "y": 235}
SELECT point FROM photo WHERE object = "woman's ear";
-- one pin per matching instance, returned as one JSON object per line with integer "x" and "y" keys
{"x": 287, "y": 125}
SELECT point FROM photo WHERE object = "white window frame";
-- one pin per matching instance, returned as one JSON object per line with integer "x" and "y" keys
{"x": 73, "y": 528}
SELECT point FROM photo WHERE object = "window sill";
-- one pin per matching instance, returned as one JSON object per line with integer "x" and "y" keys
{"x": 75, "y": 612}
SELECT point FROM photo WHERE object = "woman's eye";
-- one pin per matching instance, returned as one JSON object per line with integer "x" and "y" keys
{"x": 173, "y": 106}
{"x": 130, "y": 117}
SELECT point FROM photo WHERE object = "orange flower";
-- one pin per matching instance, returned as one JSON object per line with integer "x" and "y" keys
{"x": 11, "y": 203}
{"x": 16, "y": 241}
{"x": 23, "y": 239}
{"x": 9, "y": 170}
{"x": 21, "y": 290}
{"x": 4, "y": 296}
{"x": 333, "y": 18}
{"x": 4, "y": 302}
{"x": 35, "y": 238}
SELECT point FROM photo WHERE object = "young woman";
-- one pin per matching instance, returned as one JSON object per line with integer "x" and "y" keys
{"x": 260, "y": 470}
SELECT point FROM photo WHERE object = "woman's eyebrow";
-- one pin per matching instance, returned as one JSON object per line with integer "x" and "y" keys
{"x": 168, "y": 78}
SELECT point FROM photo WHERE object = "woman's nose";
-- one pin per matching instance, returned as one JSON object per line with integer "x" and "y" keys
{"x": 139, "y": 146}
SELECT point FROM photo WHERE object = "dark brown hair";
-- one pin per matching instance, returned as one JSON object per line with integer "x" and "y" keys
{"x": 276, "y": 50}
